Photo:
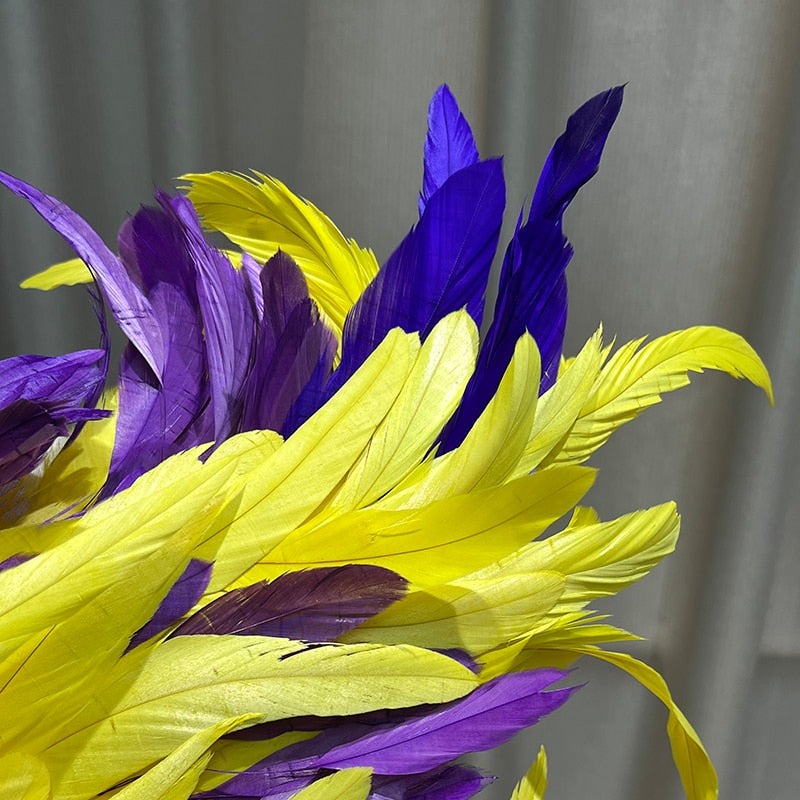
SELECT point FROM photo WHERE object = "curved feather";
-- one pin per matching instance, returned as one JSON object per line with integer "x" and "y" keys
{"x": 125, "y": 299}
{"x": 635, "y": 377}
{"x": 262, "y": 215}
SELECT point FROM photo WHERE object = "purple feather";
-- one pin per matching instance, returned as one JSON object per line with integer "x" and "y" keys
{"x": 315, "y": 605}
{"x": 576, "y": 154}
{"x": 426, "y": 740}
{"x": 27, "y": 430}
{"x": 293, "y": 346}
{"x": 15, "y": 560}
{"x": 441, "y": 266}
{"x": 160, "y": 418}
{"x": 185, "y": 592}
{"x": 454, "y": 782}
{"x": 487, "y": 717}
{"x": 41, "y": 398}
{"x": 449, "y": 145}
{"x": 228, "y": 321}
{"x": 532, "y": 291}
{"x": 128, "y": 305}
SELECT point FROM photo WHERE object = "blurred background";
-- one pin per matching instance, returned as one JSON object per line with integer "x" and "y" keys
{"x": 692, "y": 219}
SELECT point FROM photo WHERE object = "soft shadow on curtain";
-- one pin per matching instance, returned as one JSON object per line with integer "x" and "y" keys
{"x": 692, "y": 219}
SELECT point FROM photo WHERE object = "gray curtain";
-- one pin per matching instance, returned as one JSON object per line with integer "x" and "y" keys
{"x": 692, "y": 219}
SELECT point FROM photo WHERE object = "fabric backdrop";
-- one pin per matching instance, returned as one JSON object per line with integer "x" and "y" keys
{"x": 692, "y": 219}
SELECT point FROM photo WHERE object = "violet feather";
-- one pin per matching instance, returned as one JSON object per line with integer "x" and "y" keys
{"x": 128, "y": 305}
{"x": 228, "y": 320}
{"x": 41, "y": 398}
{"x": 532, "y": 290}
{"x": 180, "y": 599}
{"x": 452, "y": 782}
{"x": 292, "y": 345}
{"x": 487, "y": 717}
{"x": 446, "y": 260}
{"x": 160, "y": 418}
{"x": 427, "y": 739}
{"x": 449, "y": 144}
{"x": 314, "y": 605}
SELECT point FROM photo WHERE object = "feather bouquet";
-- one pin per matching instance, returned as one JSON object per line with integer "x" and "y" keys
{"x": 309, "y": 545}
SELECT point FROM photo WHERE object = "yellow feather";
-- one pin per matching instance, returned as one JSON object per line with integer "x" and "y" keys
{"x": 429, "y": 396}
{"x": 147, "y": 707}
{"x": 23, "y": 777}
{"x": 691, "y": 759}
{"x": 440, "y": 541}
{"x": 560, "y": 405}
{"x": 534, "y": 784}
{"x": 295, "y": 481}
{"x": 634, "y": 379}
{"x": 176, "y": 776}
{"x": 261, "y": 215}
{"x": 66, "y": 273}
{"x": 494, "y": 445}
{"x": 346, "y": 784}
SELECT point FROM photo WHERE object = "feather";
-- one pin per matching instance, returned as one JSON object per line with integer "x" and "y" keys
{"x": 428, "y": 739}
{"x": 559, "y": 406}
{"x": 446, "y": 258}
{"x": 228, "y": 321}
{"x": 452, "y": 782}
{"x": 180, "y": 599}
{"x": 347, "y": 784}
{"x": 493, "y": 447}
{"x": 440, "y": 541}
{"x": 576, "y": 154}
{"x": 262, "y": 216}
{"x": 449, "y": 145}
{"x": 429, "y": 395}
{"x": 534, "y": 784}
{"x": 128, "y": 305}
{"x": 147, "y": 707}
{"x": 71, "y": 272}
{"x": 293, "y": 344}
{"x": 635, "y": 377}
{"x": 596, "y": 560}
{"x": 316, "y": 605}
{"x": 532, "y": 291}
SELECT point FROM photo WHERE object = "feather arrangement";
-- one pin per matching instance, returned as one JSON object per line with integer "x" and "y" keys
{"x": 302, "y": 548}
